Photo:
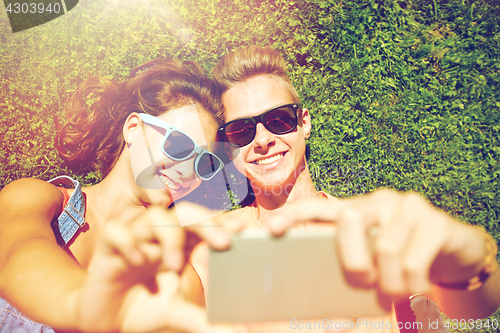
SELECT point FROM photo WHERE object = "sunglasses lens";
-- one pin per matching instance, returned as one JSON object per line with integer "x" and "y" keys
{"x": 208, "y": 165}
{"x": 178, "y": 145}
{"x": 240, "y": 132}
{"x": 281, "y": 120}
{"x": 278, "y": 121}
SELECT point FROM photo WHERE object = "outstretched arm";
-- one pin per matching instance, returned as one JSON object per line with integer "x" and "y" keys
{"x": 132, "y": 283}
{"x": 34, "y": 270}
{"x": 418, "y": 248}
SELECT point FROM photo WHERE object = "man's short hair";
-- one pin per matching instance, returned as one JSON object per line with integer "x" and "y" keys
{"x": 246, "y": 62}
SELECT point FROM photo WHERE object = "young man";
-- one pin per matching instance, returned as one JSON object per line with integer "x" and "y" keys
{"x": 419, "y": 248}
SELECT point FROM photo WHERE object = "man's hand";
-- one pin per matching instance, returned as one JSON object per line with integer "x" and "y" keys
{"x": 416, "y": 244}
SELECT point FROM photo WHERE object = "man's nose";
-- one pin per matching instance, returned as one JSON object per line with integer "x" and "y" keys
{"x": 263, "y": 138}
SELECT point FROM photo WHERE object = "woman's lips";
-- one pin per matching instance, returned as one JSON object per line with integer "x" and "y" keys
{"x": 169, "y": 183}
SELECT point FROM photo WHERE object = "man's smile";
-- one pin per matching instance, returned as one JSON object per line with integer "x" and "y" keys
{"x": 270, "y": 159}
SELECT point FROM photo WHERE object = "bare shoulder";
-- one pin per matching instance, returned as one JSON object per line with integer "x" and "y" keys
{"x": 27, "y": 195}
{"x": 27, "y": 207}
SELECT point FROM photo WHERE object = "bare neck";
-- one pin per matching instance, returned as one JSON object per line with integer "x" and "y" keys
{"x": 113, "y": 198}
{"x": 270, "y": 201}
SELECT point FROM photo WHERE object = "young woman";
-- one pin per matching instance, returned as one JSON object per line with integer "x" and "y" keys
{"x": 105, "y": 258}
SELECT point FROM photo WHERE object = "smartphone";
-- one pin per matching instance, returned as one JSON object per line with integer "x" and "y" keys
{"x": 296, "y": 276}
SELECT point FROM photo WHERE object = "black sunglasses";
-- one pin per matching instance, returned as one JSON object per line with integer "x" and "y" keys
{"x": 279, "y": 120}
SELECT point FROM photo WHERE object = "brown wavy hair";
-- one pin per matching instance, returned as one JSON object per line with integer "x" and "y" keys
{"x": 99, "y": 107}
{"x": 246, "y": 62}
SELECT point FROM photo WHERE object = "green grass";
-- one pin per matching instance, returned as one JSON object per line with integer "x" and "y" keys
{"x": 403, "y": 94}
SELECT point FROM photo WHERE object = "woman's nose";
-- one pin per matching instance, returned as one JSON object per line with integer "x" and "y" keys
{"x": 185, "y": 169}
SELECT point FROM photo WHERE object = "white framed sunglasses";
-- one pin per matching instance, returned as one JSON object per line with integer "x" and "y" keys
{"x": 179, "y": 146}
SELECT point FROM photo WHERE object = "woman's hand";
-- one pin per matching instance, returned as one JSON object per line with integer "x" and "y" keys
{"x": 416, "y": 244}
{"x": 132, "y": 283}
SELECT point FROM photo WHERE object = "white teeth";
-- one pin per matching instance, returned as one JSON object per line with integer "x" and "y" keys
{"x": 168, "y": 182}
{"x": 269, "y": 160}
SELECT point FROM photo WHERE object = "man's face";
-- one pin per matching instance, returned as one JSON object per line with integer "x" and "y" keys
{"x": 270, "y": 160}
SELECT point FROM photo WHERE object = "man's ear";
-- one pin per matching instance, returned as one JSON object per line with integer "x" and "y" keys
{"x": 132, "y": 124}
{"x": 306, "y": 123}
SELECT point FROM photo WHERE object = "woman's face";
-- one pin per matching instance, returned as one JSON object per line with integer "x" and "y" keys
{"x": 161, "y": 179}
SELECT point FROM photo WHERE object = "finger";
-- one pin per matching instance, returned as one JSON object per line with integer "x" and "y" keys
{"x": 389, "y": 249}
{"x": 321, "y": 210}
{"x": 146, "y": 240}
{"x": 354, "y": 250}
{"x": 151, "y": 252}
{"x": 141, "y": 230}
{"x": 166, "y": 230}
{"x": 377, "y": 207}
{"x": 189, "y": 213}
{"x": 173, "y": 237}
{"x": 424, "y": 247}
{"x": 234, "y": 222}
{"x": 306, "y": 211}
{"x": 216, "y": 230}
{"x": 118, "y": 238}
{"x": 384, "y": 210}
